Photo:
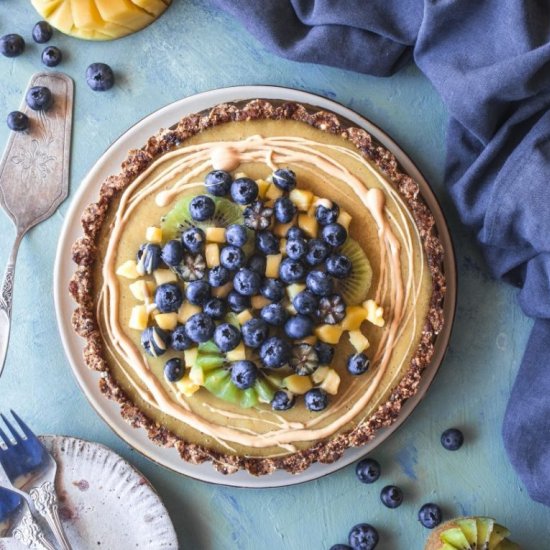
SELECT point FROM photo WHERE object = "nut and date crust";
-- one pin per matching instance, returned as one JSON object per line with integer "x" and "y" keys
{"x": 84, "y": 253}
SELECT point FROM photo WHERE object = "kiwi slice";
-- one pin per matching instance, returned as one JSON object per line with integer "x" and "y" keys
{"x": 355, "y": 288}
{"x": 456, "y": 538}
{"x": 469, "y": 528}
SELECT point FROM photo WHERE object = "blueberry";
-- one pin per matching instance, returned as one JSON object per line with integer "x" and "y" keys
{"x": 283, "y": 400}
{"x": 155, "y": 341}
{"x": 39, "y": 98}
{"x": 180, "y": 341}
{"x": 12, "y": 45}
{"x": 257, "y": 263}
{"x": 254, "y": 332}
{"x": 430, "y": 515}
{"x": 244, "y": 191}
{"x": 338, "y": 265}
{"x": 17, "y": 121}
{"x": 247, "y": 282}
{"x": 52, "y": 56}
{"x": 284, "y": 179}
{"x": 42, "y": 32}
{"x": 215, "y": 308}
{"x": 200, "y": 327}
{"x": 319, "y": 283}
{"x": 173, "y": 370}
{"x": 299, "y": 326}
{"x": 202, "y": 208}
{"x": 316, "y": 399}
{"x": 243, "y": 374}
{"x": 197, "y": 292}
{"x": 100, "y": 77}
{"x": 294, "y": 233}
{"x": 297, "y": 248}
{"x": 358, "y": 363}
{"x": 291, "y": 271}
{"x": 267, "y": 243}
{"x": 274, "y": 314}
{"x": 284, "y": 210}
{"x": 237, "y": 302}
{"x": 172, "y": 253}
{"x": 305, "y": 302}
{"x": 232, "y": 257}
{"x": 391, "y": 496}
{"x": 275, "y": 352}
{"x": 227, "y": 336}
{"x": 363, "y": 537}
{"x": 236, "y": 234}
{"x": 367, "y": 470}
{"x": 193, "y": 239}
{"x": 273, "y": 289}
{"x": 317, "y": 251}
{"x": 340, "y": 547}
{"x": 452, "y": 439}
{"x": 218, "y": 276}
{"x": 334, "y": 234}
{"x": 148, "y": 258}
{"x": 325, "y": 352}
{"x": 168, "y": 297}
{"x": 326, "y": 215}
{"x": 218, "y": 182}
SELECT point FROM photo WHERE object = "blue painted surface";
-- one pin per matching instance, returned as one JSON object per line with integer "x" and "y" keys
{"x": 191, "y": 49}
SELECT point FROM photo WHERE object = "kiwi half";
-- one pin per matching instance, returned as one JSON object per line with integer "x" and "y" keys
{"x": 471, "y": 533}
{"x": 355, "y": 288}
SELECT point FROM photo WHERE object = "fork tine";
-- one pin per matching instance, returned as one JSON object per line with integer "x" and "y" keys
{"x": 5, "y": 438}
{"x": 26, "y": 430}
{"x": 13, "y": 431}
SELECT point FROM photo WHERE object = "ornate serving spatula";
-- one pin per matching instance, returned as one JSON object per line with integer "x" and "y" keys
{"x": 34, "y": 177}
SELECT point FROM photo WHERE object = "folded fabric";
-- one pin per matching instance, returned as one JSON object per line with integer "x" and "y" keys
{"x": 490, "y": 61}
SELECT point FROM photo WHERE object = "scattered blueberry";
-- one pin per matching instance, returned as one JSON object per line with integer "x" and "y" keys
{"x": 12, "y": 45}
{"x": 173, "y": 370}
{"x": 247, "y": 282}
{"x": 244, "y": 374}
{"x": 39, "y": 98}
{"x": 254, "y": 332}
{"x": 325, "y": 352}
{"x": 317, "y": 251}
{"x": 299, "y": 326}
{"x": 316, "y": 399}
{"x": 168, "y": 297}
{"x": 148, "y": 258}
{"x": 200, "y": 327}
{"x": 193, "y": 239}
{"x": 232, "y": 257}
{"x": 296, "y": 248}
{"x": 236, "y": 234}
{"x": 363, "y": 537}
{"x": 100, "y": 77}
{"x": 291, "y": 271}
{"x": 326, "y": 215}
{"x": 258, "y": 216}
{"x": 215, "y": 308}
{"x": 197, "y": 292}
{"x": 275, "y": 352}
{"x": 282, "y": 400}
{"x": 320, "y": 283}
{"x": 257, "y": 263}
{"x": 391, "y": 496}
{"x": 273, "y": 289}
{"x": 358, "y": 363}
{"x": 368, "y": 470}
{"x": 172, "y": 253}
{"x": 218, "y": 276}
{"x": 155, "y": 341}
{"x": 244, "y": 190}
{"x": 274, "y": 314}
{"x": 305, "y": 302}
{"x": 218, "y": 182}
{"x": 334, "y": 234}
{"x": 42, "y": 32}
{"x": 237, "y": 302}
{"x": 202, "y": 208}
{"x": 430, "y": 515}
{"x": 227, "y": 336}
{"x": 284, "y": 179}
{"x": 294, "y": 232}
{"x": 452, "y": 439}
{"x": 338, "y": 266}
{"x": 180, "y": 341}
{"x": 340, "y": 547}
{"x": 284, "y": 210}
{"x": 267, "y": 242}
{"x": 52, "y": 56}
{"x": 17, "y": 121}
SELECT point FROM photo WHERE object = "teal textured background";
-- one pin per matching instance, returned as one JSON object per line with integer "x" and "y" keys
{"x": 195, "y": 48}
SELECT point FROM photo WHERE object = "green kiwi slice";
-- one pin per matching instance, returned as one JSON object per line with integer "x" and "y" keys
{"x": 355, "y": 288}
{"x": 456, "y": 538}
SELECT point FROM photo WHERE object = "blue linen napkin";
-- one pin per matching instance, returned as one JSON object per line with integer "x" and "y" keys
{"x": 490, "y": 61}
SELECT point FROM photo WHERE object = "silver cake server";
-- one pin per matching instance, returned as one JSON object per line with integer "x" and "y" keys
{"x": 34, "y": 177}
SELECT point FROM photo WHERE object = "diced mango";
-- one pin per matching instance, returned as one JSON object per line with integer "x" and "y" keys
{"x": 293, "y": 289}
{"x": 186, "y": 311}
{"x": 344, "y": 219}
{"x": 153, "y": 234}
{"x": 282, "y": 246}
{"x": 196, "y": 375}
{"x": 273, "y": 261}
{"x": 190, "y": 356}
{"x": 298, "y": 384}
{"x": 259, "y": 301}
{"x": 215, "y": 234}
{"x": 142, "y": 290}
{"x": 212, "y": 254}
{"x": 355, "y": 315}
{"x": 375, "y": 313}
{"x": 167, "y": 321}
{"x": 331, "y": 382}
{"x": 236, "y": 354}
{"x": 244, "y": 316}
{"x": 222, "y": 291}
{"x": 308, "y": 224}
{"x": 302, "y": 199}
{"x": 186, "y": 386}
{"x": 139, "y": 318}
{"x": 281, "y": 229}
{"x": 311, "y": 340}
{"x": 329, "y": 333}
{"x": 320, "y": 374}
{"x": 163, "y": 276}
{"x": 291, "y": 310}
{"x": 128, "y": 269}
{"x": 262, "y": 188}
{"x": 358, "y": 340}
{"x": 273, "y": 192}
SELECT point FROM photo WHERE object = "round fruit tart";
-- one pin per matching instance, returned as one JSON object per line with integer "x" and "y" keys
{"x": 260, "y": 287}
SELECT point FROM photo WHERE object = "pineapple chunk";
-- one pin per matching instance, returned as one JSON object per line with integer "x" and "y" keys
{"x": 236, "y": 354}
{"x": 186, "y": 311}
{"x": 196, "y": 375}
{"x": 302, "y": 198}
{"x": 293, "y": 289}
{"x": 273, "y": 262}
{"x": 308, "y": 224}
{"x": 291, "y": 309}
{"x": 331, "y": 382}
{"x": 153, "y": 234}
{"x": 298, "y": 384}
{"x": 355, "y": 315}
{"x": 142, "y": 290}
{"x": 358, "y": 340}
{"x": 139, "y": 318}
{"x": 344, "y": 219}
{"x": 167, "y": 321}
{"x": 190, "y": 356}
{"x": 244, "y": 316}
{"x": 163, "y": 276}
{"x": 212, "y": 255}
{"x": 281, "y": 229}
{"x": 329, "y": 333}
{"x": 215, "y": 234}
{"x": 320, "y": 374}
{"x": 273, "y": 192}
{"x": 375, "y": 313}
{"x": 128, "y": 269}
{"x": 186, "y": 386}
{"x": 222, "y": 291}
{"x": 263, "y": 186}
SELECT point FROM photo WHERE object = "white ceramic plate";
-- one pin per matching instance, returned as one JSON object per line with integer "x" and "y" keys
{"x": 88, "y": 191}
{"x": 103, "y": 500}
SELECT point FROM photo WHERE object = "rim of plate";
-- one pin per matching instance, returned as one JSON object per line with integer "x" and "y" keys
{"x": 109, "y": 163}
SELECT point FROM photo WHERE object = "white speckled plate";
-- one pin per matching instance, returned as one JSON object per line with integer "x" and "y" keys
{"x": 104, "y": 502}
{"x": 88, "y": 192}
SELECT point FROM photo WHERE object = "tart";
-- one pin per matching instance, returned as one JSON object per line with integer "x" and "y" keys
{"x": 279, "y": 343}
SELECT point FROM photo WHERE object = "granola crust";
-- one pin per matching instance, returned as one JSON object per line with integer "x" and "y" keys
{"x": 84, "y": 253}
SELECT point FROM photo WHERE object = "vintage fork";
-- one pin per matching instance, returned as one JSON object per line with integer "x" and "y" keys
{"x": 16, "y": 521}
{"x": 31, "y": 469}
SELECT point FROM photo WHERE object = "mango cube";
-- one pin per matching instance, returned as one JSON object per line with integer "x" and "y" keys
{"x": 212, "y": 255}
{"x": 375, "y": 313}
{"x": 262, "y": 188}
{"x": 196, "y": 375}
{"x": 167, "y": 321}
{"x": 153, "y": 235}
{"x": 298, "y": 384}
{"x": 273, "y": 261}
{"x": 358, "y": 340}
{"x": 142, "y": 290}
{"x": 309, "y": 224}
{"x": 215, "y": 234}
{"x": 163, "y": 276}
{"x": 139, "y": 318}
{"x": 186, "y": 386}
{"x": 281, "y": 229}
{"x": 128, "y": 269}
{"x": 293, "y": 289}
{"x": 190, "y": 356}
{"x": 355, "y": 315}
{"x": 329, "y": 333}
{"x": 244, "y": 316}
{"x": 302, "y": 199}
{"x": 222, "y": 291}
{"x": 236, "y": 354}
{"x": 331, "y": 383}
{"x": 273, "y": 192}
{"x": 320, "y": 374}
{"x": 186, "y": 311}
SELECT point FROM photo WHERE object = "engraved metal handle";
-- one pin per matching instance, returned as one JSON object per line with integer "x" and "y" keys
{"x": 45, "y": 502}
{"x": 28, "y": 532}
{"x": 6, "y": 299}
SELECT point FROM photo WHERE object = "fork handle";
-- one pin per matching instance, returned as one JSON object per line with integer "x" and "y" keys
{"x": 44, "y": 498}
{"x": 28, "y": 532}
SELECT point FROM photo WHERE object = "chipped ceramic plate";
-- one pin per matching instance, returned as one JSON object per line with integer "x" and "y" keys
{"x": 96, "y": 488}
